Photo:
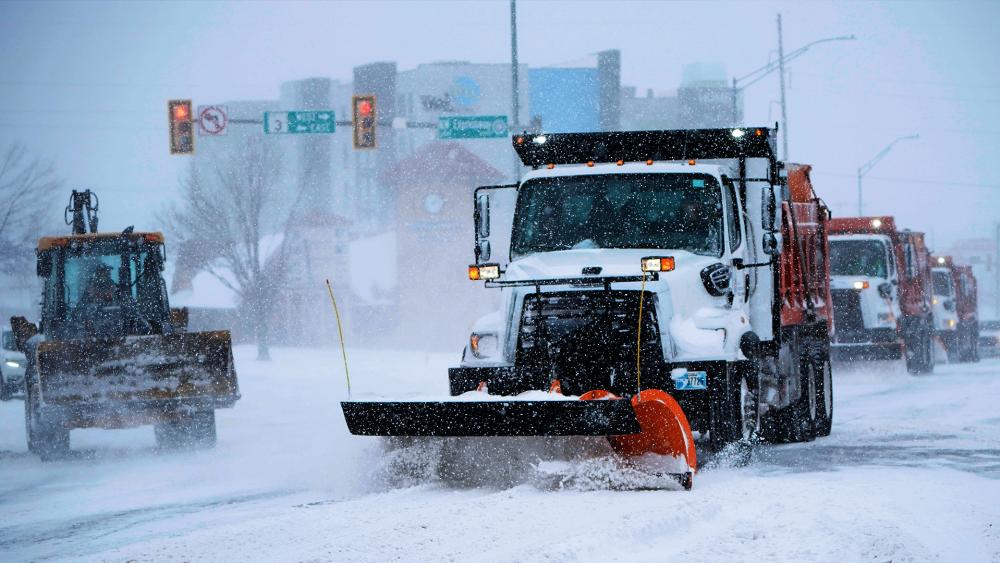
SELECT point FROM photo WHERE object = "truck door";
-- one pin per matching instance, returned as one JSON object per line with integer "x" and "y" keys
{"x": 493, "y": 218}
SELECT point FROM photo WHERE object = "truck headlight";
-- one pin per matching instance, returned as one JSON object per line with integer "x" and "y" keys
{"x": 483, "y": 345}
{"x": 484, "y": 272}
{"x": 859, "y": 285}
{"x": 12, "y": 364}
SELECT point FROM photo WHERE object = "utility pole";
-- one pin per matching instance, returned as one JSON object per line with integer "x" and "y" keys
{"x": 996, "y": 275}
{"x": 515, "y": 125}
{"x": 781, "y": 74}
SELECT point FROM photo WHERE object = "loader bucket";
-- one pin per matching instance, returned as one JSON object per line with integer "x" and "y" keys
{"x": 155, "y": 368}
{"x": 491, "y": 418}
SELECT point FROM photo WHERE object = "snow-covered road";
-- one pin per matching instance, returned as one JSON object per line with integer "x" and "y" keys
{"x": 911, "y": 473}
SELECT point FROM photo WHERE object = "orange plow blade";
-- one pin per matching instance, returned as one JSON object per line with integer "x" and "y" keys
{"x": 665, "y": 429}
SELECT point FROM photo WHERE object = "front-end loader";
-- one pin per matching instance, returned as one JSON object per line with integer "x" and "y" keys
{"x": 109, "y": 352}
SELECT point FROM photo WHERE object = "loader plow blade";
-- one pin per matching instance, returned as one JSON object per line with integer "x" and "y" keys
{"x": 138, "y": 368}
{"x": 490, "y": 418}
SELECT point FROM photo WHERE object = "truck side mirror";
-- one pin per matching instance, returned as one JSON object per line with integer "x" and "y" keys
{"x": 23, "y": 331}
{"x": 43, "y": 267}
{"x": 770, "y": 244}
{"x": 768, "y": 210}
{"x": 482, "y": 216}
{"x": 482, "y": 251}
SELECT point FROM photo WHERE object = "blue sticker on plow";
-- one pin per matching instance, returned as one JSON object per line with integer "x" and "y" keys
{"x": 697, "y": 183}
{"x": 690, "y": 381}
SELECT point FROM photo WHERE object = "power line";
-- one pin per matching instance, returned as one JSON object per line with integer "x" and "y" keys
{"x": 909, "y": 180}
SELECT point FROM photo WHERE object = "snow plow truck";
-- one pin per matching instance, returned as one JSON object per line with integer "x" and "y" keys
{"x": 658, "y": 283}
{"x": 109, "y": 352}
{"x": 956, "y": 309}
{"x": 881, "y": 287}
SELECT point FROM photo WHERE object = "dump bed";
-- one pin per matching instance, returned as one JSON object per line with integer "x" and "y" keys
{"x": 189, "y": 368}
{"x": 804, "y": 263}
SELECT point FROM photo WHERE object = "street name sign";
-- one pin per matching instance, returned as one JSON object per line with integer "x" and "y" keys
{"x": 284, "y": 122}
{"x": 472, "y": 127}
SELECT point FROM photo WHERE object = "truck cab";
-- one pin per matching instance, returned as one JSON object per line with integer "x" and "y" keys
{"x": 628, "y": 271}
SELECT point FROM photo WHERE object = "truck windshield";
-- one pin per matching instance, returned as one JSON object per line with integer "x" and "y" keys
{"x": 858, "y": 258}
{"x": 942, "y": 283}
{"x": 655, "y": 211}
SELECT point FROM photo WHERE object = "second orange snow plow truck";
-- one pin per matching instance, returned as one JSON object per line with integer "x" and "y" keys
{"x": 646, "y": 291}
{"x": 881, "y": 286}
{"x": 109, "y": 352}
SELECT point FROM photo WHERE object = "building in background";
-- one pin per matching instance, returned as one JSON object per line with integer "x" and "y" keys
{"x": 703, "y": 100}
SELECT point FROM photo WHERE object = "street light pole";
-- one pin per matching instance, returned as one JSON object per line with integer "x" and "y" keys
{"x": 867, "y": 167}
{"x": 781, "y": 74}
{"x": 756, "y": 76}
{"x": 515, "y": 118}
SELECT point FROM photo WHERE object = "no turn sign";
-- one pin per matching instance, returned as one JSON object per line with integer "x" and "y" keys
{"x": 212, "y": 120}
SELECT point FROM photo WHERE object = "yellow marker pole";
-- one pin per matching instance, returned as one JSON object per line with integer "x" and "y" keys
{"x": 638, "y": 343}
{"x": 340, "y": 331}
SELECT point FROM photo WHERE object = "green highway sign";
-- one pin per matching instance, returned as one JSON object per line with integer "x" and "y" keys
{"x": 472, "y": 127}
{"x": 279, "y": 122}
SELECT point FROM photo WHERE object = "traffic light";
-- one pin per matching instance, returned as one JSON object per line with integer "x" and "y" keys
{"x": 364, "y": 121}
{"x": 181, "y": 127}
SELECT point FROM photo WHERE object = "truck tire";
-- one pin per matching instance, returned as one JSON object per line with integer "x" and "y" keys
{"x": 735, "y": 409}
{"x": 824, "y": 397}
{"x": 196, "y": 430}
{"x": 48, "y": 439}
{"x": 920, "y": 351}
{"x": 797, "y": 421}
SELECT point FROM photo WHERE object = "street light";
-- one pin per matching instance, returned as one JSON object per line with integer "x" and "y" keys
{"x": 867, "y": 167}
{"x": 779, "y": 64}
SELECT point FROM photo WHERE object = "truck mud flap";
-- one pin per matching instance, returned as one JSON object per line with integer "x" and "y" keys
{"x": 149, "y": 369}
{"x": 491, "y": 418}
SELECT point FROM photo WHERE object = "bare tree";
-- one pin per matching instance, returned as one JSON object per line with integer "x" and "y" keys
{"x": 27, "y": 198}
{"x": 235, "y": 222}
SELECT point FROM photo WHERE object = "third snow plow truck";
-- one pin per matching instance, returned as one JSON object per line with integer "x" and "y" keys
{"x": 956, "y": 309}
{"x": 658, "y": 283}
{"x": 881, "y": 286}
{"x": 109, "y": 352}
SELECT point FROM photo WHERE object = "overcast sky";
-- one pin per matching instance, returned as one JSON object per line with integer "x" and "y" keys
{"x": 87, "y": 83}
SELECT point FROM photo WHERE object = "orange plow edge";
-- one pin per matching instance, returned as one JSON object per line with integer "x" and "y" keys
{"x": 665, "y": 430}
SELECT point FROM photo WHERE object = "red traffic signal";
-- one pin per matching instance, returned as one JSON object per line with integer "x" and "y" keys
{"x": 364, "y": 121}
{"x": 181, "y": 127}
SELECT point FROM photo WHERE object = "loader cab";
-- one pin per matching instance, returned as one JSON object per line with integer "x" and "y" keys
{"x": 103, "y": 285}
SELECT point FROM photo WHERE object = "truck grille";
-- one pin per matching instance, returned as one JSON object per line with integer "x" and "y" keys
{"x": 847, "y": 317}
{"x": 586, "y": 339}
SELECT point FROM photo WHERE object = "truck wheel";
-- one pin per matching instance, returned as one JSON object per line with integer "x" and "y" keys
{"x": 797, "y": 421}
{"x": 922, "y": 358}
{"x": 824, "y": 398}
{"x": 196, "y": 430}
{"x": 735, "y": 412}
{"x": 47, "y": 439}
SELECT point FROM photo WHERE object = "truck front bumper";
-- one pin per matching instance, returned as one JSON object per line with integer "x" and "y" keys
{"x": 866, "y": 344}
{"x": 512, "y": 380}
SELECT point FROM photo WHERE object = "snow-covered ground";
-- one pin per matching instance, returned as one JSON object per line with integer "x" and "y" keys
{"x": 911, "y": 473}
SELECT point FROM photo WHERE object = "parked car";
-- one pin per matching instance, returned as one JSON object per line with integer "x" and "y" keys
{"x": 12, "y": 365}
{"x": 989, "y": 339}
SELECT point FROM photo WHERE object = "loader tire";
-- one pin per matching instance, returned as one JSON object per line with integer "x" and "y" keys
{"x": 196, "y": 430}
{"x": 735, "y": 409}
{"x": 48, "y": 439}
{"x": 6, "y": 391}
